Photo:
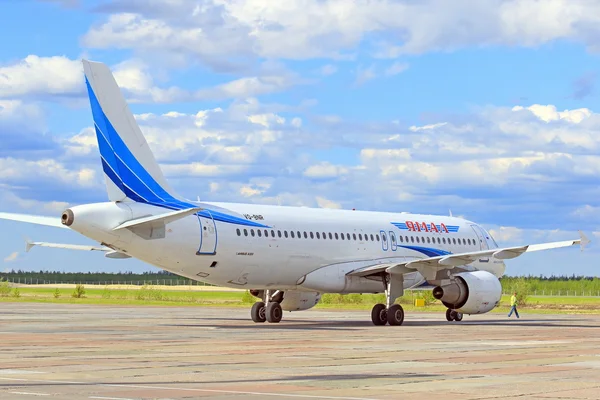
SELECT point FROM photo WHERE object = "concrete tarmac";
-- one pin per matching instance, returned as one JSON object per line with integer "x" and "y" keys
{"x": 117, "y": 352}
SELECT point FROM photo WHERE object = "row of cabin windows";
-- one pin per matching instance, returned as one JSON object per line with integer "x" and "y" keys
{"x": 353, "y": 236}
{"x": 438, "y": 240}
{"x": 312, "y": 235}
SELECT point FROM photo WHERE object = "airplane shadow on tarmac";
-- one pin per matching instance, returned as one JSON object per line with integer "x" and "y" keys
{"x": 356, "y": 325}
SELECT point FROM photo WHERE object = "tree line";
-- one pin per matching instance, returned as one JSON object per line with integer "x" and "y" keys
{"x": 509, "y": 283}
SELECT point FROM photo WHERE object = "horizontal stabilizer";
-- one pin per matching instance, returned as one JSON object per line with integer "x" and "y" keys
{"x": 161, "y": 219}
{"x": 29, "y": 245}
{"x": 34, "y": 219}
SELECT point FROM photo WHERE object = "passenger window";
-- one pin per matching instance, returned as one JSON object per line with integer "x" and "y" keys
{"x": 266, "y": 233}
{"x": 439, "y": 241}
{"x": 318, "y": 236}
{"x": 245, "y": 232}
{"x": 285, "y": 233}
{"x": 342, "y": 236}
{"x": 354, "y": 236}
{"x": 324, "y": 235}
{"x": 336, "y": 236}
{"x": 412, "y": 239}
{"x": 306, "y": 235}
{"x": 372, "y": 238}
{"x": 377, "y": 236}
{"x": 292, "y": 234}
{"x": 366, "y": 237}
{"x": 279, "y": 233}
{"x": 238, "y": 232}
{"x": 360, "y": 237}
{"x": 444, "y": 240}
{"x": 428, "y": 239}
{"x": 299, "y": 235}
{"x": 382, "y": 235}
{"x": 454, "y": 240}
{"x": 312, "y": 236}
{"x": 330, "y": 236}
{"x": 259, "y": 232}
{"x": 272, "y": 233}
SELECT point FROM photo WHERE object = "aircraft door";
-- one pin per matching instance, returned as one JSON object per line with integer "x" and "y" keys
{"x": 208, "y": 235}
{"x": 483, "y": 244}
{"x": 384, "y": 241}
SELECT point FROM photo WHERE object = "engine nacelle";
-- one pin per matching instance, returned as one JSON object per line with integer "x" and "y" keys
{"x": 471, "y": 292}
{"x": 295, "y": 300}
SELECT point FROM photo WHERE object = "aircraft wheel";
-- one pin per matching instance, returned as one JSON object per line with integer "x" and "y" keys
{"x": 379, "y": 314}
{"x": 395, "y": 315}
{"x": 257, "y": 312}
{"x": 274, "y": 312}
{"x": 458, "y": 317}
{"x": 449, "y": 315}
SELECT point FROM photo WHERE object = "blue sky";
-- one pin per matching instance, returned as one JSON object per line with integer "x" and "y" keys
{"x": 490, "y": 111}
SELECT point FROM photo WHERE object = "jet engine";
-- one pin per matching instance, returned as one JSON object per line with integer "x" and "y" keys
{"x": 295, "y": 300}
{"x": 471, "y": 292}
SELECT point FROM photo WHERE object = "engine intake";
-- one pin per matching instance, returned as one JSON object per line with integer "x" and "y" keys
{"x": 471, "y": 292}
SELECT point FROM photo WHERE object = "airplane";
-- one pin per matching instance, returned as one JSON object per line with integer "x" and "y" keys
{"x": 287, "y": 257}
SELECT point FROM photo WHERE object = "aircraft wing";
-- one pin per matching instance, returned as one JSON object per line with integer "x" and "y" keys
{"x": 34, "y": 219}
{"x": 428, "y": 267}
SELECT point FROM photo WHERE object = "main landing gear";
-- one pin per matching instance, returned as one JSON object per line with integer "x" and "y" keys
{"x": 268, "y": 310}
{"x": 389, "y": 313}
{"x": 453, "y": 315}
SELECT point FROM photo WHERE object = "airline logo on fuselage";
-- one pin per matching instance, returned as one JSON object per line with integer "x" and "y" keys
{"x": 421, "y": 226}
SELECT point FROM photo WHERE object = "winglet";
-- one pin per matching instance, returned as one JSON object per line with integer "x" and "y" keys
{"x": 28, "y": 244}
{"x": 584, "y": 241}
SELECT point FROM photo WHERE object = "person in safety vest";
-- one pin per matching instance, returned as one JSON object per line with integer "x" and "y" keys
{"x": 513, "y": 305}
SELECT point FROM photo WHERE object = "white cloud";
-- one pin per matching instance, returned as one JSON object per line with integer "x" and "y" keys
{"x": 325, "y": 170}
{"x": 59, "y": 76}
{"x": 328, "y": 69}
{"x": 11, "y": 257}
{"x": 365, "y": 74}
{"x": 507, "y": 234}
{"x": 548, "y": 113}
{"x": 225, "y": 33}
{"x": 326, "y": 203}
{"x": 45, "y": 76}
{"x": 396, "y": 68}
{"x": 20, "y": 171}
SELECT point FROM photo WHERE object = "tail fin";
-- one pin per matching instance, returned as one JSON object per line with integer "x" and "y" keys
{"x": 130, "y": 168}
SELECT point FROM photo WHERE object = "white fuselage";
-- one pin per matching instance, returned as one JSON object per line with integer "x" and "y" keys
{"x": 284, "y": 244}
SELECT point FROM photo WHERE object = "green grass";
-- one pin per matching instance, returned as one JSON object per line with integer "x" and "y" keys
{"x": 151, "y": 296}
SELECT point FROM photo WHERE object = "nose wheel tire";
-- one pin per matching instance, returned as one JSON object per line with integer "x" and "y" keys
{"x": 274, "y": 312}
{"x": 379, "y": 314}
{"x": 258, "y": 312}
{"x": 395, "y": 315}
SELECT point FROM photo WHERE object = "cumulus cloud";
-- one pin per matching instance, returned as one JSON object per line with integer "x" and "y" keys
{"x": 59, "y": 77}
{"x": 11, "y": 257}
{"x": 42, "y": 76}
{"x": 396, "y": 68}
{"x": 221, "y": 33}
{"x": 328, "y": 69}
